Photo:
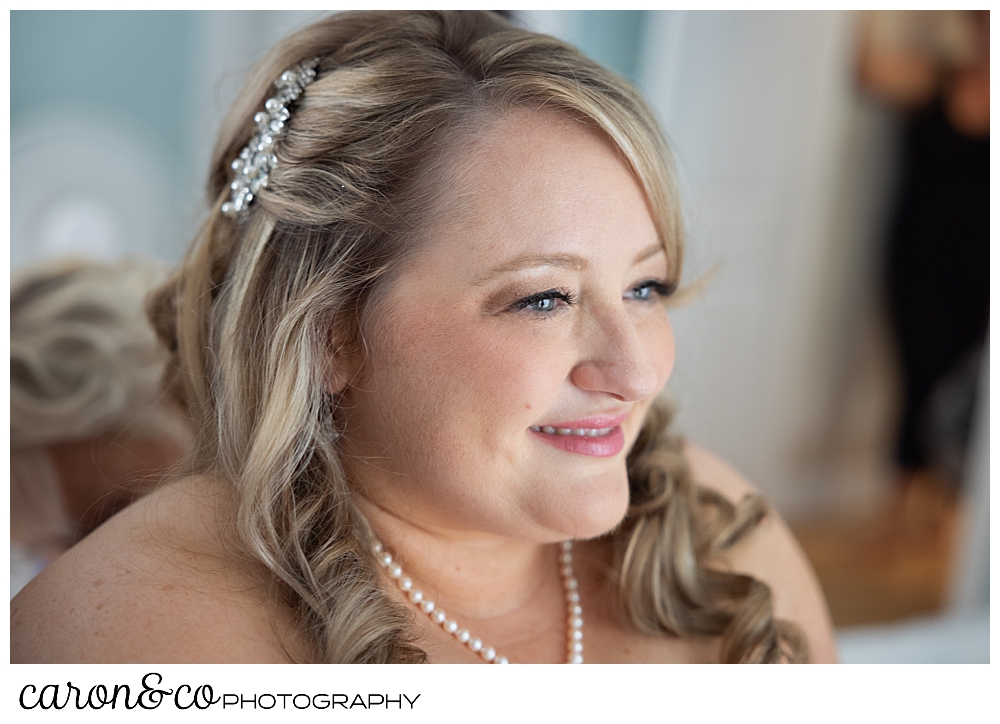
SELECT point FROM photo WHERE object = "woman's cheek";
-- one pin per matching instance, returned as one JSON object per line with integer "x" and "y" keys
{"x": 522, "y": 370}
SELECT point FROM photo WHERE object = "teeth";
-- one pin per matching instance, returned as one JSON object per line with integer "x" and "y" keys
{"x": 577, "y": 431}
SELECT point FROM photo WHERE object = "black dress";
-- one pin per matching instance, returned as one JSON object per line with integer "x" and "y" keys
{"x": 937, "y": 267}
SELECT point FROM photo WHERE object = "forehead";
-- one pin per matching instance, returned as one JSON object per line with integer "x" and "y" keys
{"x": 522, "y": 151}
{"x": 537, "y": 179}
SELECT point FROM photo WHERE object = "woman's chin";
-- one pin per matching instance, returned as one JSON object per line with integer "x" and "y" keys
{"x": 601, "y": 522}
{"x": 590, "y": 511}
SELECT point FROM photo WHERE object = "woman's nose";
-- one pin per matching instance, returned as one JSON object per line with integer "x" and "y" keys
{"x": 616, "y": 361}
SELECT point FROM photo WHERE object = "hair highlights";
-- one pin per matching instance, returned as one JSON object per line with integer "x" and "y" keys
{"x": 259, "y": 306}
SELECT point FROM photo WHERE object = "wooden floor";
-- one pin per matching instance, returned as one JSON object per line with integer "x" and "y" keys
{"x": 889, "y": 566}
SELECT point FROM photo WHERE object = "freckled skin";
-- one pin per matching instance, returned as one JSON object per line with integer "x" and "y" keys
{"x": 438, "y": 417}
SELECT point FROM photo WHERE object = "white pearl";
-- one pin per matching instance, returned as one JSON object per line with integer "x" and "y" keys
{"x": 488, "y": 653}
{"x": 272, "y": 105}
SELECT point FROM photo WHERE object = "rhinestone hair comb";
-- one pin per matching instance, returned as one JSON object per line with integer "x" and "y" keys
{"x": 257, "y": 159}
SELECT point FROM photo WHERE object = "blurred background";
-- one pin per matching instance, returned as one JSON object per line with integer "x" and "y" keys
{"x": 835, "y": 176}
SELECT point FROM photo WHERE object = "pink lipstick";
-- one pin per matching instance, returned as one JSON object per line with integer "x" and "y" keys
{"x": 599, "y": 436}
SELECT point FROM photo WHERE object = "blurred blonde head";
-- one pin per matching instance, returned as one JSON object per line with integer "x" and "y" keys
{"x": 84, "y": 362}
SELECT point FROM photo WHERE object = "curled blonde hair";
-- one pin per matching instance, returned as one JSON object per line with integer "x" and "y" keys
{"x": 248, "y": 317}
{"x": 84, "y": 361}
{"x": 83, "y": 357}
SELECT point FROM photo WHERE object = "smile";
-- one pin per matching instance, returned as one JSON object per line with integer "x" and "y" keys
{"x": 578, "y": 431}
{"x": 595, "y": 437}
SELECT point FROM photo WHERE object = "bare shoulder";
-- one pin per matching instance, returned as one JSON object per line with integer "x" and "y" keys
{"x": 772, "y": 555}
{"x": 153, "y": 584}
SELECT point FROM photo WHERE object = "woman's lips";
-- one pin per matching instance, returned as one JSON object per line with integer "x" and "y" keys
{"x": 594, "y": 436}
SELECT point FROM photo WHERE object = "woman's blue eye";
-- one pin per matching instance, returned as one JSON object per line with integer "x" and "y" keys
{"x": 543, "y": 305}
{"x": 546, "y": 302}
{"x": 645, "y": 292}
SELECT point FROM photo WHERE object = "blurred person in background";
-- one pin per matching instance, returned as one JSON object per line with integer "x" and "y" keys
{"x": 88, "y": 432}
{"x": 933, "y": 67}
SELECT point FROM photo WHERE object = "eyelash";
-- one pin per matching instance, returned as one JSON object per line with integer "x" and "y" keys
{"x": 657, "y": 287}
{"x": 569, "y": 298}
{"x": 564, "y": 295}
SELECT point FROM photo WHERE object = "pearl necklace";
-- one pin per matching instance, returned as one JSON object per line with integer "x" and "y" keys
{"x": 574, "y": 613}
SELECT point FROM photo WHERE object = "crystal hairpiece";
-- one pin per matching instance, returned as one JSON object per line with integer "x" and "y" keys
{"x": 257, "y": 158}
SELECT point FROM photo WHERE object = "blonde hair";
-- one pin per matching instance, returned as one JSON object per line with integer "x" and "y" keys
{"x": 84, "y": 361}
{"x": 249, "y": 315}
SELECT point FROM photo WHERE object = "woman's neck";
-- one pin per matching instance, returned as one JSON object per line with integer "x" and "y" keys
{"x": 480, "y": 575}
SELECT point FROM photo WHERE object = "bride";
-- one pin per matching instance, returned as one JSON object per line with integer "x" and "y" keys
{"x": 421, "y": 335}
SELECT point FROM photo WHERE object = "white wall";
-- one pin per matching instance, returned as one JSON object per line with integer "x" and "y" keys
{"x": 757, "y": 107}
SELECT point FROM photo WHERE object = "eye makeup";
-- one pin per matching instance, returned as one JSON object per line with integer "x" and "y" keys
{"x": 645, "y": 290}
{"x": 518, "y": 296}
{"x": 547, "y": 301}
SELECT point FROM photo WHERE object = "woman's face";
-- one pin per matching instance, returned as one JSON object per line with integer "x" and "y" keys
{"x": 509, "y": 365}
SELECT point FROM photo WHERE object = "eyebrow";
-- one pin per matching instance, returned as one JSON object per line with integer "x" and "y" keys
{"x": 531, "y": 261}
{"x": 568, "y": 261}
